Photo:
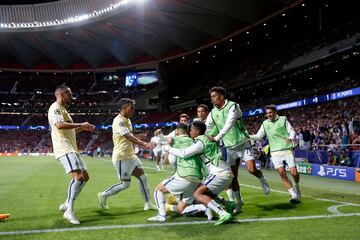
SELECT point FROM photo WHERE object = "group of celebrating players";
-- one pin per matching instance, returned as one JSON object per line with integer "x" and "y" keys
{"x": 206, "y": 155}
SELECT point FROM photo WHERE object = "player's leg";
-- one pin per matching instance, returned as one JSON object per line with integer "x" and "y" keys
{"x": 71, "y": 162}
{"x": 234, "y": 191}
{"x": 75, "y": 167}
{"x": 248, "y": 157}
{"x": 157, "y": 156}
{"x": 125, "y": 181}
{"x": 179, "y": 187}
{"x": 290, "y": 161}
{"x": 216, "y": 186}
{"x": 201, "y": 196}
{"x": 159, "y": 192}
{"x": 139, "y": 173}
{"x": 280, "y": 168}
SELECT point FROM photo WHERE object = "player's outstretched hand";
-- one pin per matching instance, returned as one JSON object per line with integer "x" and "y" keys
{"x": 88, "y": 127}
{"x": 211, "y": 138}
{"x": 150, "y": 145}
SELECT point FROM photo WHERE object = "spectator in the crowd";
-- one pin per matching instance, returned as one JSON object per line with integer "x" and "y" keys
{"x": 332, "y": 158}
{"x": 344, "y": 158}
{"x": 306, "y": 138}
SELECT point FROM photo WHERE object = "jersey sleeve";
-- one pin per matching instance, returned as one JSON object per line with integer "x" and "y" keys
{"x": 55, "y": 115}
{"x": 122, "y": 130}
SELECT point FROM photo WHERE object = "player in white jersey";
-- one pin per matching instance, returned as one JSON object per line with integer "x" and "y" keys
{"x": 63, "y": 136}
{"x": 125, "y": 161}
{"x": 158, "y": 140}
{"x": 183, "y": 118}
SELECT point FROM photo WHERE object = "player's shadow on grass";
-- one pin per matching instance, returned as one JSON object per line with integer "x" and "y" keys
{"x": 113, "y": 213}
{"x": 275, "y": 206}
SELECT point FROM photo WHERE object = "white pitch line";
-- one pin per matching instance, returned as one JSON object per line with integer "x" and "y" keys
{"x": 334, "y": 209}
{"x": 158, "y": 225}
{"x": 319, "y": 199}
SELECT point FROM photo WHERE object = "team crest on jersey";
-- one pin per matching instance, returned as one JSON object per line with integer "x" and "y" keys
{"x": 57, "y": 111}
{"x": 122, "y": 124}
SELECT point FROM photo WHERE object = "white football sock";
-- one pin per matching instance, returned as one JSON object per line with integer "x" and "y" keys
{"x": 193, "y": 209}
{"x": 216, "y": 208}
{"x": 144, "y": 188}
{"x": 293, "y": 193}
{"x": 114, "y": 189}
{"x": 82, "y": 184}
{"x": 160, "y": 202}
{"x": 230, "y": 194}
{"x": 72, "y": 193}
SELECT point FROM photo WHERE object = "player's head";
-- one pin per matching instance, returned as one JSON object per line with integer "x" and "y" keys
{"x": 218, "y": 96}
{"x": 63, "y": 93}
{"x": 157, "y": 131}
{"x": 181, "y": 129}
{"x": 271, "y": 112}
{"x": 202, "y": 111}
{"x": 184, "y": 118}
{"x": 197, "y": 128}
{"x": 127, "y": 107}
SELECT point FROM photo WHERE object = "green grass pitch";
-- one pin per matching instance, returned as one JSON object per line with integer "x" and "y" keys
{"x": 32, "y": 188}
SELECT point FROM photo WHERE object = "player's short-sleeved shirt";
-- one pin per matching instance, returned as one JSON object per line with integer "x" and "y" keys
{"x": 63, "y": 140}
{"x": 158, "y": 141}
{"x": 123, "y": 148}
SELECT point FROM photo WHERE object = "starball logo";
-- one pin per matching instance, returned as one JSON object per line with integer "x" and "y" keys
{"x": 329, "y": 171}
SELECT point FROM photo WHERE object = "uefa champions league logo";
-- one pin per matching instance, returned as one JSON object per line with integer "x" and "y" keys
{"x": 321, "y": 172}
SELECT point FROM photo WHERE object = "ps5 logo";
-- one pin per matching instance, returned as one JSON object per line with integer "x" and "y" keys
{"x": 321, "y": 172}
{"x": 335, "y": 172}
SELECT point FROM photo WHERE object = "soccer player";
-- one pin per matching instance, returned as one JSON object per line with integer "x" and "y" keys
{"x": 202, "y": 111}
{"x": 281, "y": 137}
{"x": 183, "y": 118}
{"x": 225, "y": 123}
{"x": 183, "y": 183}
{"x": 158, "y": 140}
{"x": 220, "y": 174}
{"x": 63, "y": 136}
{"x": 124, "y": 159}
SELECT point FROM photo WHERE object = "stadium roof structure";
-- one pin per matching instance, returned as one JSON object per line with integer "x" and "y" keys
{"x": 143, "y": 31}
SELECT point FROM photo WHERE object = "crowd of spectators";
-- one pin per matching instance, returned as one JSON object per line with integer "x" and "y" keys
{"x": 260, "y": 67}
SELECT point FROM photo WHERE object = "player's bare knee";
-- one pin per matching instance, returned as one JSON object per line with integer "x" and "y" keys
{"x": 197, "y": 194}
{"x": 85, "y": 176}
{"x": 294, "y": 172}
{"x": 161, "y": 188}
{"x": 79, "y": 178}
{"x": 283, "y": 175}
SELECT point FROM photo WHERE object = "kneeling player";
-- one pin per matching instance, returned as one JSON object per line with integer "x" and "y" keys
{"x": 220, "y": 172}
